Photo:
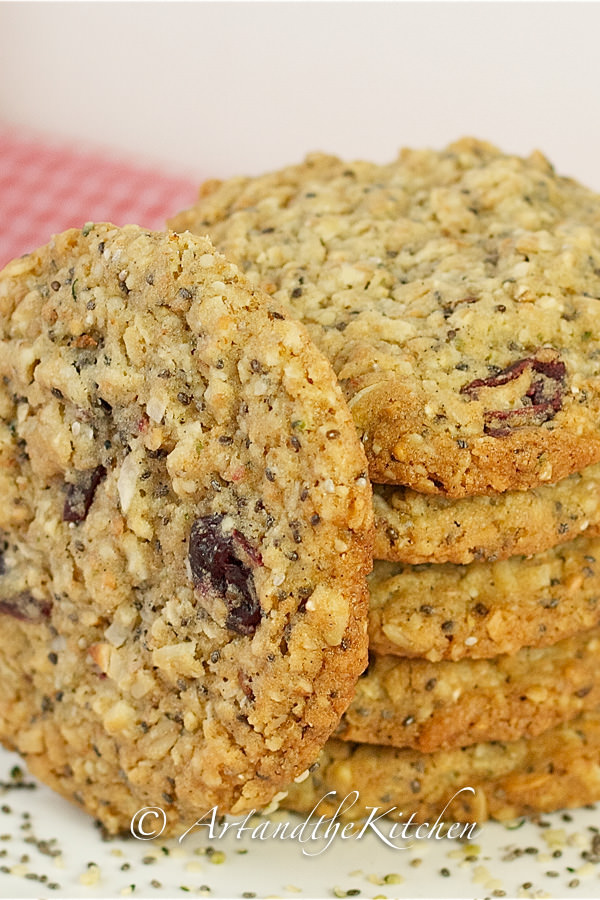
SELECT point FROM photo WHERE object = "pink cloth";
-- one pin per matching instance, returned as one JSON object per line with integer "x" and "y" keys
{"x": 46, "y": 187}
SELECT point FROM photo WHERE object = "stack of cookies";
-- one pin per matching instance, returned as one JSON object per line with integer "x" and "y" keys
{"x": 457, "y": 296}
{"x": 187, "y": 518}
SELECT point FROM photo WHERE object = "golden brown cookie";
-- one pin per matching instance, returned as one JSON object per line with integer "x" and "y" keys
{"x": 557, "y": 769}
{"x": 456, "y": 294}
{"x": 484, "y": 609}
{"x": 420, "y": 528}
{"x": 432, "y": 706}
{"x": 185, "y": 535}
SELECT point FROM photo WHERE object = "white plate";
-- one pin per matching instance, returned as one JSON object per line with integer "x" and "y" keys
{"x": 41, "y": 835}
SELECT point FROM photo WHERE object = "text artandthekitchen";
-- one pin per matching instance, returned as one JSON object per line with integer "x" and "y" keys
{"x": 319, "y": 828}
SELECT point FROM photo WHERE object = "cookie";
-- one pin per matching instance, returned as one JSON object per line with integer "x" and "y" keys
{"x": 485, "y": 609}
{"x": 554, "y": 770}
{"x": 456, "y": 295}
{"x": 433, "y": 706}
{"x": 420, "y": 528}
{"x": 182, "y": 595}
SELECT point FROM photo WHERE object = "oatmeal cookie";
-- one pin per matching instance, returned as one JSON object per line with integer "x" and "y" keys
{"x": 186, "y": 533}
{"x": 433, "y": 706}
{"x": 456, "y": 295}
{"x": 420, "y": 528}
{"x": 554, "y": 770}
{"x": 485, "y": 609}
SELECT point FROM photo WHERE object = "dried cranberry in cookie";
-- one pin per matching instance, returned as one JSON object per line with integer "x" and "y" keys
{"x": 25, "y": 607}
{"x": 185, "y": 530}
{"x": 216, "y": 553}
{"x": 542, "y": 395}
{"x": 424, "y": 278}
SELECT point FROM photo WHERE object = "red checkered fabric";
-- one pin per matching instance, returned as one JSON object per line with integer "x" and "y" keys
{"x": 46, "y": 188}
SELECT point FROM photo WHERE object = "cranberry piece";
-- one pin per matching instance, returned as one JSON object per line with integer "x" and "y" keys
{"x": 541, "y": 401}
{"x": 499, "y": 423}
{"x": 81, "y": 493}
{"x": 25, "y": 607}
{"x": 223, "y": 561}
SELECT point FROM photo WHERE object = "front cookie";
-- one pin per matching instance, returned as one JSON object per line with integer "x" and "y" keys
{"x": 182, "y": 595}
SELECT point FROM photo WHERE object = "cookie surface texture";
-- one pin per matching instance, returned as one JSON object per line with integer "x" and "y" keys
{"x": 485, "y": 609}
{"x": 421, "y": 528}
{"x": 557, "y": 769}
{"x": 186, "y": 530}
{"x": 455, "y": 293}
{"x": 431, "y": 706}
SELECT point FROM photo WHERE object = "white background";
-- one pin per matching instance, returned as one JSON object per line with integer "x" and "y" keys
{"x": 222, "y": 88}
